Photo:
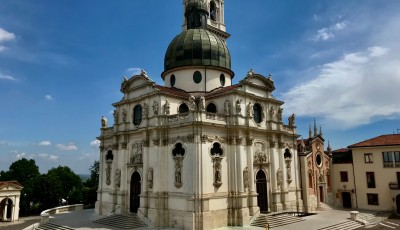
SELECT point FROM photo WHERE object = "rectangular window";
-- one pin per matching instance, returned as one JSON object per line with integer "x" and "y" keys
{"x": 397, "y": 159}
{"x": 372, "y": 199}
{"x": 370, "y": 180}
{"x": 343, "y": 176}
{"x": 387, "y": 159}
{"x": 368, "y": 158}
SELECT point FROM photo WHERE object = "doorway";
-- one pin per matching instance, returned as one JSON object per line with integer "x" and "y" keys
{"x": 261, "y": 186}
{"x": 346, "y": 197}
{"x": 135, "y": 192}
{"x": 321, "y": 194}
{"x": 398, "y": 204}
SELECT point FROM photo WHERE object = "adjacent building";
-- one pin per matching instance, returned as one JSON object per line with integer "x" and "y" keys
{"x": 367, "y": 174}
{"x": 10, "y": 193}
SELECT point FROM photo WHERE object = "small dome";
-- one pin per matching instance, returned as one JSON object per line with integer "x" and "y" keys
{"x": 196, "y": 5}
{"x": 194, "y": 47}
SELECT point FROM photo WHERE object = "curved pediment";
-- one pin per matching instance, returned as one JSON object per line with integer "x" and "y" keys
{"x": 10, "y": 186}
{"x": 259, "y": 80}
{"x": 135, "y": 81}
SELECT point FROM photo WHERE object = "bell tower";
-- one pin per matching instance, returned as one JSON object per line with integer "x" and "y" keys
{"x": 215, "y": 19}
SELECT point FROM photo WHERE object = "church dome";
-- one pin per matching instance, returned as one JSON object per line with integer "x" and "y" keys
{"x": 197, "y": 47}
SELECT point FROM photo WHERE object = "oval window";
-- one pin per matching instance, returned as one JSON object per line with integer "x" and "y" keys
{"x": 197, "y": 77}
{"x": 318, "y": 160}
{"x": 222, "y": 79}
{"x": 172, "y": 80}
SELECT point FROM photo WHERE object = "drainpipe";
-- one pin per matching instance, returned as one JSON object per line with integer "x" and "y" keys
{"x": 354, "y": 181}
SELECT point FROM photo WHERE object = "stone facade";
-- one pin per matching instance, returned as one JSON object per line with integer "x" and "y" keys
{"x": 10, "y": 193}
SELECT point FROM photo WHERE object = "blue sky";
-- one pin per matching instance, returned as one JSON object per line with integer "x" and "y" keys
{"x": 62, "y": 62}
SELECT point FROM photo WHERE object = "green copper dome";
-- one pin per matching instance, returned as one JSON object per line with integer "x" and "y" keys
{"x": 194, "y": 47}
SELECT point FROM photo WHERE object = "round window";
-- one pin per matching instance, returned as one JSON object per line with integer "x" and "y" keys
{"x": 222, "y": 79}
{"x": 197, "y": 77}
{"x": 318, "y": 160}
{"x": 172, "y": 80}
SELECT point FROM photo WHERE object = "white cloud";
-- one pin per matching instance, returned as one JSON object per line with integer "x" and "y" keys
{"x": 95, "y": 144}
{"x": 356, "y": 89}
{"x": 44, "y": 143}
{"x": 67, "y": 147}
{"x": 6, "y": 77}
{"x": 3, "y": 143}
{"x": 133, "y": 71}
{"x": 20, "y": 155}
{"x": 48, "y": 97}
{"x": 328, "y": 32}
{"x": 44, "y": 155}
{"x": 5, "y": 36}
{"x": 53, "y": 157}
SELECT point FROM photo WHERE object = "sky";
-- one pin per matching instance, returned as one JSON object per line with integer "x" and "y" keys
{"x": 62, "y": 63}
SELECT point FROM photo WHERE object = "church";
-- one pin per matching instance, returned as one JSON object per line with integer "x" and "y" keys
{"x": 200, "y": 152}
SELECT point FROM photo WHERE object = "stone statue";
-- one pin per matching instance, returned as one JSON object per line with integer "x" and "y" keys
{"x": 271, "y": 113}
{"x": 143, "y": 73}
{"x": 166, "y": 107}
{"x": 155, "y": 108}
{"x": 238, "y": 106}
{"x": 124, "y": 79}
{"x": 115, "y": 114}
{"x": 279, "y": 114}
{"x": 104, "y": 122}
{"x": 118, "y": 178}
{"x": 124, "y": 114}
{"x": 202, "y": 105}
{"x": 249, "y": 109}
{"x": 150, "y": 177}
{"x": 218, "y": 174}
{"x": 246, "y": 178}
{"x": 279, "y": 179}
{"x": 250, "y": 72}
{"x": 178, "y": 174}
{"x": 227, "y": 107}
{"x": 291, "y": 120}
{"x": 192, "y": 103}
{"x": 145, "y": 110}
{"x": 108, "y": 173}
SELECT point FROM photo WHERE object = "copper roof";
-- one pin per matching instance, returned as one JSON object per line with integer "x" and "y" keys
{"x": 383, "y": 140}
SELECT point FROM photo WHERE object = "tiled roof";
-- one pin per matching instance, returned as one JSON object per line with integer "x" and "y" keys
{"x": 383, "y": 140}
{"x": 222, "y": 90}
{"x": 173, "y": 91}
{"x": 342, "y": 150}
{"x": 4, "y": 183}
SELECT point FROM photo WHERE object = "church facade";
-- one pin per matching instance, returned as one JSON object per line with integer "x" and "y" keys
{"x": 198, "y": 152}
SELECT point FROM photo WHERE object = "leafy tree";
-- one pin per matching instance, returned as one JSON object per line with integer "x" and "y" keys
{"x": 90, "y": 186}
{"x": 46, "y": 190}
{"x": 71, "y": 183}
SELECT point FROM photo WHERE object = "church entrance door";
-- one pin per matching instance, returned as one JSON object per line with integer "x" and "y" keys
{"x": 398, "y": 204}
{"x": 261, "y": 186}
{"x": 321, "y": 194}
{"x": 346, "y": 197}
{"x": 135, "y": 192}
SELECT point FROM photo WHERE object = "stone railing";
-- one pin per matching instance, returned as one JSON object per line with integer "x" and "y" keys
{"x": 45, "y": 215}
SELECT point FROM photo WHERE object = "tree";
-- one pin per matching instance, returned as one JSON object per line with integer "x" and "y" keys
{"x": 71, "y": 183}
{"x": 91, "y": 185}
{"x": 47, "y": 191}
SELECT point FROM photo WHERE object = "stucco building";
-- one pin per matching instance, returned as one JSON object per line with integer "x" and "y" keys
{"x": 10, "y": 193}
{"x": 371, "y": 176}
{"x": 198, "y": 152}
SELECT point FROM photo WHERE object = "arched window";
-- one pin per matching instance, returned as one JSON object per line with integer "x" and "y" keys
{"x": 137, "y": 115}
{"x": 213, "y": 11}
{"x": 211, "y": 108}
{"x": 222, "y": 79}
{"x": 183, "y": 108}
{"x": 109, "y": 156}
{"x": 216, "y": 150}
{"x": 257, "y": 113}
{"x": 287, "y": 154}
{"x": 172, "y": 80}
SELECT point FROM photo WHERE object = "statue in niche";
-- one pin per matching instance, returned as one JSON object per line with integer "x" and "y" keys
{"x": 288, "y": 170}
{"x": 178, "y": 174}
{"x": 291, "y": 120}
{"x": 279, "y": 114}
{"x": 279, "y": 179}
{"x": 115, "y": 114}
{"x": 192, "y": 102}
{"x": 178, "y": 154}
{"x": 139, "y": 154}
{"x": 246, "y": 181}
{"x": 145, "y": 110}
{"x": 166, "y": 107}
{"x": 108, "y": 173}
{"x": 249, "y": 109}
{"x": 202, "y": 103}
{"x": 271, "y": 113}
{"x": 150, "y": 177}
{"x": 155, "y": 108}
{"x": 124, "y": 114}
{"x": 218, "y": 174}
{"x": 227, "y": 107}
{"x": 118, "y": 178}
{"x": 217, "y": 171}
{"x": 238, "y": 106}
{"x": 104, "y": 122}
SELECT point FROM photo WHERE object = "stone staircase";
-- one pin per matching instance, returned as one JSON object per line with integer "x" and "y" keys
{"x": 51, "y": 226}
{"x": 274, "y": 221}
{"x": 122, "y": 221}
{"x": 347, "y": 225}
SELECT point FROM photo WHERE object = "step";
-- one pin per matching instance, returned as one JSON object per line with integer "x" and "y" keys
{"x": 348, "y": 225}
{"x": 121, "y": 221}
{"x": 51, "y": 226}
